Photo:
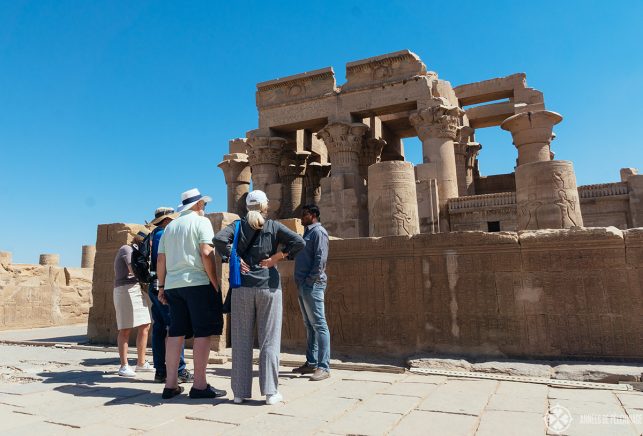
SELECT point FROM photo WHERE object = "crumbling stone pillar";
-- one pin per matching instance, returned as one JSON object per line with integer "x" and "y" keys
{"x": 532, "y": 134}
{"x": 264, "y": 157}
{"x": 49, "y": 259}
{"x": 437, "y": 127}
{"x": 392, "y": 199}
{"x": 88, "y": 255}
{"x": 5, "y": 257}
{"x": 546, "y": 196}
{"x": 292, "y": 171}
{"x": 237, "y": 173}
{"x": 344, "y": 199}
{"x": 315, "y": 171}
{"x": 370, "y": 154}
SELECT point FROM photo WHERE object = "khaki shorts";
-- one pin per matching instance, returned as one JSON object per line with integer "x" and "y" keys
{"x": 132, "y": 307}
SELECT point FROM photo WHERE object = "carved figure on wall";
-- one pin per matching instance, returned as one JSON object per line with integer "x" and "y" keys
{"x": 401, "y": 217}
{"x": 564, "y": 203}
{"x": 289, "y": 311}
{"x": 336, "y": 309}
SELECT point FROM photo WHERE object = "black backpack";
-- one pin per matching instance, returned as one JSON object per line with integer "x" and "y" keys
{"x": 141, "y": 261}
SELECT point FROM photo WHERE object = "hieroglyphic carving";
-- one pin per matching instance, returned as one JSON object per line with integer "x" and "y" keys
{"x": 392, "y": 203}
{"x": 546, "y": 196}
{"x": 401, "y": 217}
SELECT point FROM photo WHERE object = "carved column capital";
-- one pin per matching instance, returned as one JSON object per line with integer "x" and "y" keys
{"x": 265, "y": 150}
{"x": 473, "y": 149}
{"x": 293, "y": 164}
{"x": 235, "y": 167}
{"x": 344, "y": 142}
{"x": 439, "y": 120}
{"x": 532, "y": 133}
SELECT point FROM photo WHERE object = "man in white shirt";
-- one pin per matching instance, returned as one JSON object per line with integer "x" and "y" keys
{"x": 188, "y": 283}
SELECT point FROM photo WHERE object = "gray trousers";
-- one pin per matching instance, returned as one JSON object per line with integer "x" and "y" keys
{"x": 263, "y": 306}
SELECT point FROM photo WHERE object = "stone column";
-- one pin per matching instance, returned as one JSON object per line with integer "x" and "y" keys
{"x": 473, "y": 148}
{"x": 371, "y": 154}
{"x": 292, "y": 170}
{"x": 49, "y": 259}
{"x": 532, "y": 134}
{"x": 460, "y": 149}
{"x": 237, "y": 173}
{"x": 5, "y": 257}
{"x": 264, "y": 157}
{"x": 87, "y": 259}
{"x": 437, "y": 127}
{"x": 546, "y": 196}
{"x": 315, "y": 171}
{"x": 344, "y": 197}
{"x": 392, "y": 199}
{"x": 344, "y": 143}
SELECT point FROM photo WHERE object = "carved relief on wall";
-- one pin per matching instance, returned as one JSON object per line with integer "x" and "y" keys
{"x": 547, "y": 196}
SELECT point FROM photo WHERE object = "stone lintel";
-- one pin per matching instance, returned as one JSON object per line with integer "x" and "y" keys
{"x": 490, "y": 90}
{"x": 322, "y": 73}
{"x": 238, "y": 145}
{"x": 304, "y": 86}
{"x": 392, "y": 67}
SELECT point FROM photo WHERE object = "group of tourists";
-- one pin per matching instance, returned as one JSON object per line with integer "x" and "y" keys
{"x": 184, "y": 298}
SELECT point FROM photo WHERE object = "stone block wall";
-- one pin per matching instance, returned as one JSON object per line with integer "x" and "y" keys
{"x": 101, "y": 326}
{"x": 43, "y": 296}
{"x": 547, "y": 293}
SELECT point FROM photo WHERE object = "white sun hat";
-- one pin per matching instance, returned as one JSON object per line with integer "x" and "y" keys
{"x": 190, "y": 198}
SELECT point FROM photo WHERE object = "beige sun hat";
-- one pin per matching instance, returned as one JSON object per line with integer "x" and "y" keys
{"x": 163, "y": 212}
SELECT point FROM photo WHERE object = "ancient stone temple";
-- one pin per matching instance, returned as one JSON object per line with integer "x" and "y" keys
{"x": 433, "y": 257}
{"x": 320, "y": 142}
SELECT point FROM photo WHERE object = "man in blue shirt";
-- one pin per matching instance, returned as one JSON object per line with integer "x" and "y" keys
{"x": 310, "y": 276}
{"x": 161, "y": 312}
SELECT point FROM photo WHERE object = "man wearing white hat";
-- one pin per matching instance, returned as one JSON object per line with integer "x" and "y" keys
{"x": 161, "y": 312}
{"x": 187, "y": 282}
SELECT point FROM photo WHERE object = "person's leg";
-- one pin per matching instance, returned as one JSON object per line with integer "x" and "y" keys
{"x": 314, "y": 302}
{"x": 242, "y": 318}
{"x": 122, "y": 340}
{"x": 180, "y": 328}
{"x": 172, "y": 352}
{"x": 141, "y": 343}
{"x": 159, "y": 334}
{"x": 165, "y": 320}
{"x": 269, "y": 315}
{"x": 311, "y": 342}
{"x": 200, "y": 353}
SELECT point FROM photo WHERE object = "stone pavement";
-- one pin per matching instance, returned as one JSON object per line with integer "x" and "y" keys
{"x": 52, "y": 390}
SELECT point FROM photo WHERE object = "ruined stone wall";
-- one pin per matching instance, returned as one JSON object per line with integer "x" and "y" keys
{"x": 101, "y": 326}
{"x": 548, "y": 293}
{"x": 43, "y": 296}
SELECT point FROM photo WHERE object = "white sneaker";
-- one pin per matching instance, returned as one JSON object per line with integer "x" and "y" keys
{"x": 146, "y": 367}
{"x": 126, "y": 371}
{"x": 274, "y": 399}
{"x": 238, "y": 400}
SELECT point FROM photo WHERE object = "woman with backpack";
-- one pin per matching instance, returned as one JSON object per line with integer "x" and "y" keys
{"x": 132, "y": 309}
{"x": 261, "y": 244}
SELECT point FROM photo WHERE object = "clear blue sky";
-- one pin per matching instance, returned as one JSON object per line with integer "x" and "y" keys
{"x": 96, "y": 94}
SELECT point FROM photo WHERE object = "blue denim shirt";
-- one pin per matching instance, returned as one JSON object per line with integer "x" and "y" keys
{"x": 310, "y": 263}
